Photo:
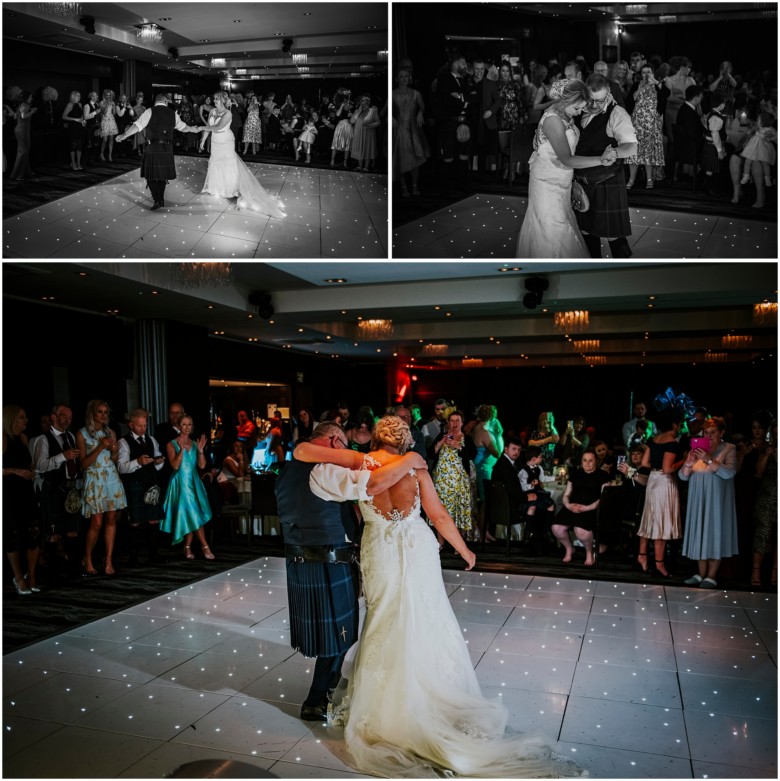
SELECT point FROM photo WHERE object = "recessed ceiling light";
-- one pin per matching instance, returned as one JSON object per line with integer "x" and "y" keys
{"x": 205, "y": 40}
{"x": 307, "y": 13}
{"x": 236, "y": 21}
{"x": 335, "y": 281}
{"x": 165, "y": 19}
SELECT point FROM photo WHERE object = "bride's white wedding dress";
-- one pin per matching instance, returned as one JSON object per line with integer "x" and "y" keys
{"x": 228, "y": 176}
{"x": 549, "y": 226}
{"x": 413, "y": 707}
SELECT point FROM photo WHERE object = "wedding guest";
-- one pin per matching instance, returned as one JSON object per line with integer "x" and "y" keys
{"x": 21, "y": 527}
{"x": 73, "y": 118}
{"x": 537, "y": 96}
{"x": 661, "y": 515}
{"x": 203, "y": 113}
{"x": 306, "y": 138}
{"x": 410, "y": 147}
{"x": 759, "y": 155}
{"x": 765, "y": 509}
{"x": 139, "y": 463}
{"x": 23, "y": 115}
{"x": 103, "y": 494}
{"x": 234, "y": 466}
{"x": 454, "y": 454}
{"x": 123, "y": 116}
{"x": 139, "y": 139}
{"x": 187, "y": 508}
{"x": 574, "y": 440}
{"x": 186, "y": 111}
{"x": 488, "y": 436}
{"x": 252, "y": 127}
{"x": 648, "y": 125}
{"x": 108, "y": 126}
{"x": 304, "y": 426}
{"x": 510, "y": 115}
{"x": 615, "y": 90}
{"x": 629, "y": 428}
{"x": 689, "y": 127}
{"x": 711, "y": 517}
{"x": 342, "y": 136}
{"x": 268, "y": 109}
{"x": 580, "y": 507}
{"x": 725, "y": 84}
{"x": 91, "y": 126}
{"x": 287, "y": 110}
{"x": 365, "y": 120}
{"x": 545, "y": 437}
{"x": 678, "y": 80}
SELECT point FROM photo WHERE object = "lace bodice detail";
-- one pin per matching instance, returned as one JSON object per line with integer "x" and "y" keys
{"x": 539, "y": 136}
{"x": 214, "y": 119}
{"x": 396, "y": 515}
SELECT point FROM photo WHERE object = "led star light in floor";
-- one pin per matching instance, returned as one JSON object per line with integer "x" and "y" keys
{"x": 329, "y": 214}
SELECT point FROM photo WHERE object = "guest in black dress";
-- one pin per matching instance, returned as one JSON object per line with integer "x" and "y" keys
{"x": 580, "y": 507}
{"x": 20, "y": 510}
{"x": 73, "y": 119}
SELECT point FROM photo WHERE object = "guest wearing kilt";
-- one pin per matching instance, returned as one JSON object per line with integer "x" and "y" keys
{"x": 319, "y": 529}
{"x": 139, "y": 464}
{"x": 604, "y": 124}
{"x": 157, "y": 165}
{"x": 714, "y": 150}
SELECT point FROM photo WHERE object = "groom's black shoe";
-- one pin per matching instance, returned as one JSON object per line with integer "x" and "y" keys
{"x": 317, "y": 712}
{"x": 156, "y": 205}
{"x": 620, "y": 248}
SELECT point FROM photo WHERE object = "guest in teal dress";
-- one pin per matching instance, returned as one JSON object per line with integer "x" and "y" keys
{"x": 186, "y": 505}
{"x": 103, "y": 493}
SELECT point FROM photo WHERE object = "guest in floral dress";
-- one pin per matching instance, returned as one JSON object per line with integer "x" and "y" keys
{"x": 366, "y": 121}
{"x": 103, "y": 493}
{"x": 454, "y": 453}
{"x": 648, "y": 124}
{"x": 253, "y": 129}
{"x": 108, "y": 126}
{"x": 186, "y": 111}
{"x": 510, "y": 113}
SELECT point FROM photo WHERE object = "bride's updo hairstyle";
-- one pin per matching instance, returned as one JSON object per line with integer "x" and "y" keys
{"x": 223, "y": 97}
{"x": 392, "y": 431}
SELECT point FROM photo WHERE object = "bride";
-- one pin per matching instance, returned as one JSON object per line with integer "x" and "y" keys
{"x": 227, "y": 175}
{"x": 413, "y": 706}
{"x": 550, "y": 227}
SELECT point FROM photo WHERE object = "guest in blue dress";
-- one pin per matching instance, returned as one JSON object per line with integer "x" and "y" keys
{"x": 103, "y": 493}
{"x": 187, "y": 508}
{"x": 711, "y": 519}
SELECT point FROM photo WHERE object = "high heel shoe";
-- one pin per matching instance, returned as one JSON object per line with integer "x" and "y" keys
{"x": 658, "y": 572}
{"x": 210, "y": 556}
{"x": 642, "y": 556}
{"x": 630, "y": 184}
{"x": 650, "y": 184}
{"x": 22, "y": 592}
{"x": 34, "y": 589}
{"x": 188, "y": 553}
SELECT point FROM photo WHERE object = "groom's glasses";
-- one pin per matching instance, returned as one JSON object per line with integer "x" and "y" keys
{"x": 344, "y": 443}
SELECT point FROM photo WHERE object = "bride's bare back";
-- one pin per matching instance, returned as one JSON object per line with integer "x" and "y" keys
{"x": 399, "y": 498}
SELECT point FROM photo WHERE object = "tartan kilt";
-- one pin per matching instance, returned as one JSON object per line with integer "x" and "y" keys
{"x": 157, "y": 163}
{"x": 137, "y": 510}
{"x": 608, "y": 214}
{"x": 709, "y": 159}
{"x": 323, "y": 606}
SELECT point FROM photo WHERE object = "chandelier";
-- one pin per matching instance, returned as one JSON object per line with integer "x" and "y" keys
{"x": 149, "y": 33}
{"x": 381, "y": 55}
{"x": 434, "y": 349}
{"x": 375, "y": 329}
{"x": 595, "y": 360}
{"x": 299, "y": 59}
{"x": 303, "y": 69}
{"x": 733, "y": 342}
{"x": 765, "y": 313}
{"x": 60, "y": 9}
{"x": 472, "y": 362}
{"x": 710, "y": 357}
{"x": 207, "y": 274}
{"x": 218, "y": 62}
{"x": 571, "y": 322}
{"x": 586, "y": 345}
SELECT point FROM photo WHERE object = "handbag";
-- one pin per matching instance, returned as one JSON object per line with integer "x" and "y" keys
{"x": 152, "y": 495}
{"x": 579, "y": 198}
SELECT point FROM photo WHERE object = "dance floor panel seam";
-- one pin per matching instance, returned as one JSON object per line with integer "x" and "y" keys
{"x": 329, "y": 215}
{"x": 206, "y": 672}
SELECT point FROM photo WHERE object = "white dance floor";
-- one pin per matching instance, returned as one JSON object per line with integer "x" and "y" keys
{"x": 636, "y": 681}
{"x": 487, "y": 226}
{"x": 330, "y": 214}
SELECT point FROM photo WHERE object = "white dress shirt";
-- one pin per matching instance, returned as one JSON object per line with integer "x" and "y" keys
{"x": 41, "y": 455}
{"x": 338, "y": 484}
{"x": 126, "y": 465}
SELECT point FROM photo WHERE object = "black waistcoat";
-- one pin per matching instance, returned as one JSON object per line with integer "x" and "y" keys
{"x": 161, "y": 125}
{"x": 147, "y": 474}
{"x": 306, "y": 519}
{"x": 594, "y": 139}
{"x": 60, "y": 475}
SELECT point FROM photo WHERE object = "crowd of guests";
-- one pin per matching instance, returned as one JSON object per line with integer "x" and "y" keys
{"x": 478, "y": 115}
{"x": 688, "y": 484}
{"x": 346, "y": 130}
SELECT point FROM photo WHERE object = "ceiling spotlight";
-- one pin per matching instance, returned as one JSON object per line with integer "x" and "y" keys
{"x": 535, "y": 287}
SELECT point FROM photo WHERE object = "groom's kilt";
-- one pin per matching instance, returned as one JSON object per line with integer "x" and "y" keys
{"x": 157, "y": 163}
{"x": 608, "y": 215}
{"x": 323, "y": 606}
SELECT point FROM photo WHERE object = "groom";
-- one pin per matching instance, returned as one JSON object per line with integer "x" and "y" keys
{"x": 158, "y": 166}
{"x": 318, "y": 523}
{"x": 603, "y": 123}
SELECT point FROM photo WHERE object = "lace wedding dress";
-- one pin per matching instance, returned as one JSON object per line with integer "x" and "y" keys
{"x": 228, "y": 176}
{"x": 549, "y": 226}
{"x": 413, "y": 707}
